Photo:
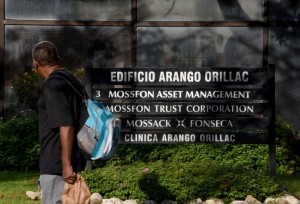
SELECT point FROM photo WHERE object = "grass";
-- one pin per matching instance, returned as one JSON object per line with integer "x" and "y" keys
{"x": 291, "y": 183}
{"x": 13, "y": 186}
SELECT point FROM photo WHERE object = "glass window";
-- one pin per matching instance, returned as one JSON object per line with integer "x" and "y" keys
{"x": 281, "y": 10}
{"x": 103, "y": 10}
{"x": 199, "y": 47}
{"x": 76, "y": 46}
{"x": 284, "y": 53}
{"x": 79, "y": 48}
{"x": 199, "y": 10}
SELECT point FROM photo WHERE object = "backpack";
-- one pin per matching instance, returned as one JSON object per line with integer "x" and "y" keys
{"x": 99, "y": 135}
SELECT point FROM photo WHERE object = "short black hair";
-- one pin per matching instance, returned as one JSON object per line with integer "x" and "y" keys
{"x": 45, "y": 53}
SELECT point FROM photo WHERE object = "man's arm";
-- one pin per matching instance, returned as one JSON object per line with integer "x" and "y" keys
{"x": 67, "y": 139}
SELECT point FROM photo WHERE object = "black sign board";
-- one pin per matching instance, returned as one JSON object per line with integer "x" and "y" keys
{"x": 188, "y": 105}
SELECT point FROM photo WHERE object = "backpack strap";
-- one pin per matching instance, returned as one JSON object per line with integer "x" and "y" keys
{"x": 65, "y": 76}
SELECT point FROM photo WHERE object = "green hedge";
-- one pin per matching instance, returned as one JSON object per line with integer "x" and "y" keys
{"x": 287, "y": 148}
{"x": 19, "y": 144}
{"x": 250, "y": 156}
{"x": 182, "y": 182}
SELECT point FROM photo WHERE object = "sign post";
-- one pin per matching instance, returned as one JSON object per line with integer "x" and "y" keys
{"x": 272, "y": 145}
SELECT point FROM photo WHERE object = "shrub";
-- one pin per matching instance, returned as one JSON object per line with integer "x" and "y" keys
{"x": 182, "y": 182}
{"x": 254, "y": 157}
{"x": 288, "y": 159}
{"x": 19, "y": 144}
{"x": 26, "y": 88}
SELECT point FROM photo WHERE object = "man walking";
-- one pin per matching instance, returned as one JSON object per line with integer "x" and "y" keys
{"x": 59, "y": 110}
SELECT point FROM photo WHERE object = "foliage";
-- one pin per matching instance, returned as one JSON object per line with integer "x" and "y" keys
{"x": 252, "y": 157}
{"x": 287, "y": 148}
{"x": 182, "y": 182}
{"x": 26, "y": 88}
{"x": 19, "y": 146}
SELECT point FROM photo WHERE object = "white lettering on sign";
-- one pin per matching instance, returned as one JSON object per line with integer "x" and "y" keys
{"x": 148, "y": 123}
{"x": 176, "y": 94}
{"x": 128, "y": 108}
{"x": 140, "y": 138}
{"x": 169, "y": 94}
{"x": 178, "y": 138}
{"x": 218, "y": 94}
{"x": 211, "y": 123}
{"x": 131, "y": 94}
{"x": 132, "y": 76}
{"x": 168, "y": 108}
{"x": 181, "y": 76}
{"x": 223, "y": 76}
{"x": 220, "y": 108}
{"x": 217, "y": 138}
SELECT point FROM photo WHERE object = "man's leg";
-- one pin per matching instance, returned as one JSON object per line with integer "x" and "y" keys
{"x": 51, "y": 188}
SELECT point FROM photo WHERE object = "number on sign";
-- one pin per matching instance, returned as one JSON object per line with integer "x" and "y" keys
{"x": 98, "y": 94}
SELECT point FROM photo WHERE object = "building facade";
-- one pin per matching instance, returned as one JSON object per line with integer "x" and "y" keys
{"x": 156, "y": 33}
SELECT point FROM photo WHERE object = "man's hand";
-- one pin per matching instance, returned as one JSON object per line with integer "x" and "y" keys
{"x": 69, "y": 175}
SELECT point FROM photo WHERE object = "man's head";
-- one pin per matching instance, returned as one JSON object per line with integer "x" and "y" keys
{"x": 45, "y": 54}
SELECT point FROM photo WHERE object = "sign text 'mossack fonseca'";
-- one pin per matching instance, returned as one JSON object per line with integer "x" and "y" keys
{"x": 197, "y": 123}
{"x": 186, "y": 105}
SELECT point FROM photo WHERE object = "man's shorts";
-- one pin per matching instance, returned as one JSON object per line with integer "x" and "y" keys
{"x": 51, "y": 187}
